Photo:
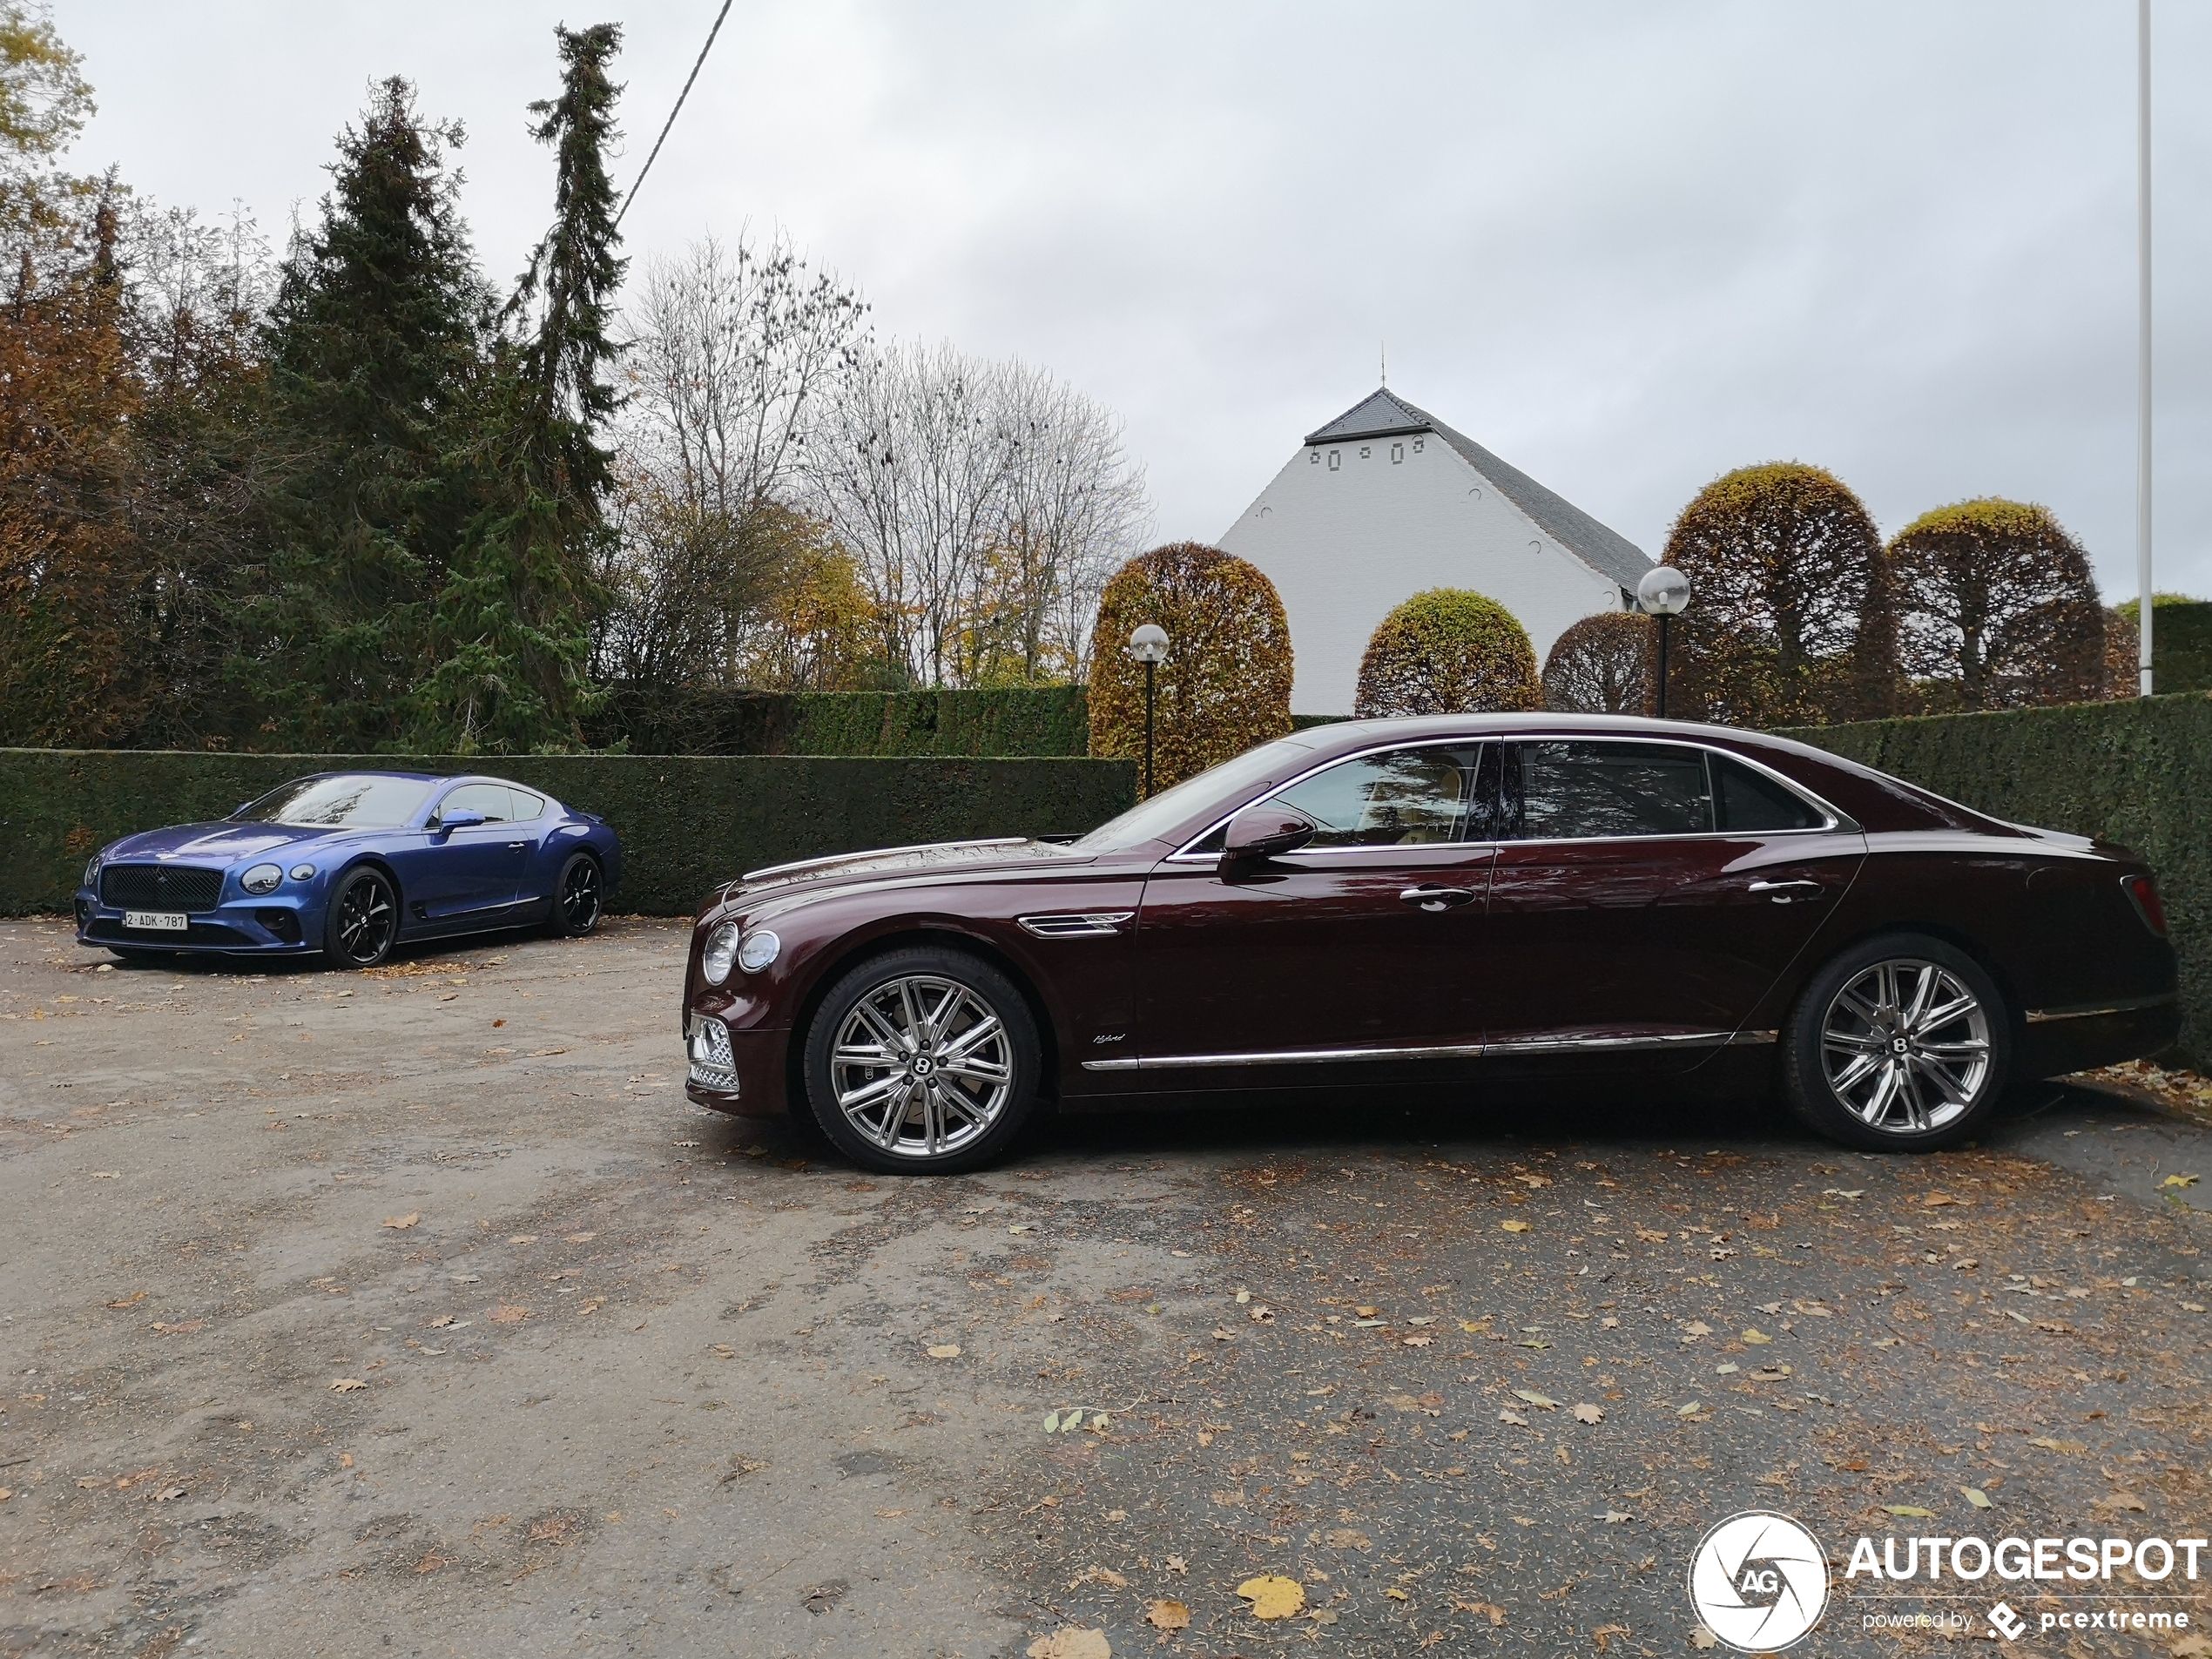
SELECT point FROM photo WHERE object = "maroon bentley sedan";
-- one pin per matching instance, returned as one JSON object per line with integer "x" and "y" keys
{"x": 1462, "y": 900}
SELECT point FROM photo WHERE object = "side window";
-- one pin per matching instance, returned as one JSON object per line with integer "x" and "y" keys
{"x": 1400, "y": 797}
{"x": 1744, "y": 799}
{"x": 524, "y": 806}
{"x": 490, "y": 799}
{"x": 1593, "y": 791}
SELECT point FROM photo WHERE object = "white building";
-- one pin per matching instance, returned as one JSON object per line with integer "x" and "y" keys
{"x": 1386, "y": 501}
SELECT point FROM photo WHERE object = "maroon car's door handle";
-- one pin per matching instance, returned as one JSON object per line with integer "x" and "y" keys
{"x": 1436, "y": 898}
{"x": 1788, "y": 892}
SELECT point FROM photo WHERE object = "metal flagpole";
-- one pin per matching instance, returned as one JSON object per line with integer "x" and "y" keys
{"x": 2142, "y": 343}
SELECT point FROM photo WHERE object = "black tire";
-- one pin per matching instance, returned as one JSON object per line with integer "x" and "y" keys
{"x": 363, "y": 921}
{"x": 1861, "y": 1066}
{"x": 972, "y": 1092}
{"x": 578, "y": 897}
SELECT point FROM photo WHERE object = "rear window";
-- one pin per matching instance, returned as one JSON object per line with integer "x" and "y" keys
{"x": 1747, "y": 799}
{"x": 348, "y": 801}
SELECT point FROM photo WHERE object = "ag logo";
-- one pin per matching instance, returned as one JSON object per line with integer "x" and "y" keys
{"x": 1759, "y": 1581}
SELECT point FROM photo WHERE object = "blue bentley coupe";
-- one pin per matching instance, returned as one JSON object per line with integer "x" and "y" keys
{"x": 349, "y": 865}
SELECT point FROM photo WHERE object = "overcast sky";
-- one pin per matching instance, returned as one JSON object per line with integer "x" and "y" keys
{"x": 1627, "y": 247}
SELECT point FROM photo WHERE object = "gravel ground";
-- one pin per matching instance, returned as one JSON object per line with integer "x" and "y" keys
{"x": 417, "y": 1312}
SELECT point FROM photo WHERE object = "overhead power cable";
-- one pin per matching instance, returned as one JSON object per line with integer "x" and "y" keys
{"x": 671, "y": 122}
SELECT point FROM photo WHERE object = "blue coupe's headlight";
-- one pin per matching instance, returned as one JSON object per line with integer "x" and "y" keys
{"x": 92, "y": 871}
{"x": 303, "y": 873}
{"x": 262, "y": 878}
{"x": 758, "y": 950}
{"x": 721, "y": 950}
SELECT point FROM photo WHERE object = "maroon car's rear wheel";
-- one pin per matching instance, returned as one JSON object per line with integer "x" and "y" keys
{"x": 922, "y": 1062}
{"x": 1900, "y": 1044}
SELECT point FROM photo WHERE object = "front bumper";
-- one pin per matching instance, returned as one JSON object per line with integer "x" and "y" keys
{"x": 734, "y": 1070}
{"x": 280, "y": 924}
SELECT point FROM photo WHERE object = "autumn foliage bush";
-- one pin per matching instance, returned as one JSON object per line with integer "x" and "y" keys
{"x": 1226, "y": 683}
{"x": 1448, "y": 650}
{"x": 1602, "y": 665}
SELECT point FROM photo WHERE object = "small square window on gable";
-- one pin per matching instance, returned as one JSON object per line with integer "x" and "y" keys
{"x": 1336, "y": 459}
{"x": 1313, "y": 456}
{"x": 1365, "y": 451}
{"x": 1396, "y": 454}
{"x": 1417, "y": 443}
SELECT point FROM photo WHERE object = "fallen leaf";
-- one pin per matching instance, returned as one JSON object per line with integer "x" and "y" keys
{"x": 1176, "y": 1564}
{"x": 1221, "y": 1335}
{"x": 1168, "y": 1615}
{"x": 1695, "y": 1329}
{"x": 129, "y": 1301}
{"x": 1509, "y": 1415}
{"x": 1614, "y": 1517}
{"x": 2179, "y": 1181}
{"x": 1910, "y": 1511}
{"x": 1934, "y": 1200}
{"x": 404, "y": 1221}
{"x": 2072, "y": 1448}
{"x": 1542, "y": 1402}
{"x": 1837, "y": 1192}
{"x": 945, "y": 1351}
{"x": 1261, "y": 1314}
{"x": 1587, "y": 1413}
{"x": 1273, "y": 1596}
{"x": 166, "y": 1495}
{"x": 2121, "y": 1500}
{"x": 1515, "y": 1226}
{"x": 1977, "y": 1497}
{"x": 1101, "y": 1576}
{"x": 507, "y": 1313}
{"x": 1366, "y": 1313}
{"x": 1701, "y": 1638}
{"x": 185, "y": 1329}
{"x": 1690, "y": 1410}
{"x": 1349, "y": 1538}
{"x": 1755, "y": 1337}
{"x": 1652, "y": 1235}
{"x": 581, "y": 1238}
{"x": 1420, "y": 1341}
{"x": 1071, "y": 1643}
{"x": 1398, "y": 1595}
{"x": 1532, "y": 1182}
{"x": 345, "y": 1384}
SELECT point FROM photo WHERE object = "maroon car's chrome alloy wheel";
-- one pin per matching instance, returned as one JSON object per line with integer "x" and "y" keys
{"x": 366, "y": 919}
{"x": 1905, "y": 1046}
{"x": 921, "y": 1067}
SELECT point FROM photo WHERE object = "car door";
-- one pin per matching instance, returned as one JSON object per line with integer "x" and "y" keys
{"x": 1360, "y": 953}
{"x": 1649, "y": 893}
{"x": 454, "y": 875}
{"x": 536, "y": 866}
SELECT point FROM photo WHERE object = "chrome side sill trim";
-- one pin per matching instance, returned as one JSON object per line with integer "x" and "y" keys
{"x": 1447, "y": 1051}
{"x": 2090, "y": 1011}
{"x": 1087, "y": 924}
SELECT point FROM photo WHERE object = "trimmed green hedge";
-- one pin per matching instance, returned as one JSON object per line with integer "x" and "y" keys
{"x": 686, "y": 822}
{"x": 2137, "y": 771}
{"x": 1012, "y": 720}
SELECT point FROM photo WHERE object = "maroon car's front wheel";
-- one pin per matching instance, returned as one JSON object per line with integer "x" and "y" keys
{"x": 922, "y": 1062}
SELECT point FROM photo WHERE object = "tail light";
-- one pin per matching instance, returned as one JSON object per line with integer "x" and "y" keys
{"x": 2142, "y": 892}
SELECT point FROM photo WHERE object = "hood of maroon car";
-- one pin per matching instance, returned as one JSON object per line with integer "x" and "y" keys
{"x": 937, "y": 859}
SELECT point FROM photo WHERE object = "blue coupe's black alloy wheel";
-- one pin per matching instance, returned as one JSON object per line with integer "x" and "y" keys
{"x": 577, "y": 896}
{"x": 365, "y": 920}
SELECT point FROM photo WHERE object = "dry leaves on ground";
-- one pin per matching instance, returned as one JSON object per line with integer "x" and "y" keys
{"x": 404, "y": 1221}
{"x": 1168, "y": 1615}
{"x": 1588, "y": 1413}
{"x": 345, "y": 1384}
{"x": 1273, "y": 1596}
{"x": 507, "y": 1313}
{"x": 1515, "y": 1226}
{"x": 945, "y": 1351}
{"x": 1071, "y": 1643}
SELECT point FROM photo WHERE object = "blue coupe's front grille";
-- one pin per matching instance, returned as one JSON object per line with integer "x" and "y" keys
{"x": 159, "y": 887}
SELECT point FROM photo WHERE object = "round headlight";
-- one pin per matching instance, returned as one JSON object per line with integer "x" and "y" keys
{"x": 721, "y": 950}
{"x": 303, "y": 873}
{"x": 758, "y": 950}
{"x": 92, "y": 871}
{"x": 262, "y": 878}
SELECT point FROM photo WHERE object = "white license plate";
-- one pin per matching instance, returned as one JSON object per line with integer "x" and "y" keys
{"x": 162, "y": 921}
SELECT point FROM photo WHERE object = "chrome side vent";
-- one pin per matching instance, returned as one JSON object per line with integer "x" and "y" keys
{"x": 1085, "y": 924}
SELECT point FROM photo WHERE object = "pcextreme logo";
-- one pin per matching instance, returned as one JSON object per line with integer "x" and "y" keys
{"x": 1759, "y": 1581}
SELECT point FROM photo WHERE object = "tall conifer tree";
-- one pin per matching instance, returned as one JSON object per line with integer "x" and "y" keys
{"x": 513, "y": 625}
{"x": 376, "y": 333}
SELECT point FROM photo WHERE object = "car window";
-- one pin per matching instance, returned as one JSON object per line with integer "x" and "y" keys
{"x": 1399, "y": 798}
{"x": 1180, "y": 802}
{"x": 523, "y": 805}
{"x": 347, "y": 801}
{"x": 490, "y": 799}
{"x": 1745, "y": 800}
{"x": 1591, "y": 791}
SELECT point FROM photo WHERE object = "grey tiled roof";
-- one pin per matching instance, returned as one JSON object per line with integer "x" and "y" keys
{"x": 1383, "y": 413}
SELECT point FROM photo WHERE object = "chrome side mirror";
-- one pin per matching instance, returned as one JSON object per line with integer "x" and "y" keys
{"x": 1266, "y": 831}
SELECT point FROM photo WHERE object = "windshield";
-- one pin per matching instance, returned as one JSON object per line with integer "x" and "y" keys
{"x": 349, "y": 801}
{"x": 1162, "y": 813}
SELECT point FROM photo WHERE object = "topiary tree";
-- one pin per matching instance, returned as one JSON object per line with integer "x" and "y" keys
{"x": 1602, "y": 665}
{"x": 1997, "y": 609}
{"x": 1788, "y": 621}
{"x": 1449, "y": 651}
{"x": 1226, "y": 683}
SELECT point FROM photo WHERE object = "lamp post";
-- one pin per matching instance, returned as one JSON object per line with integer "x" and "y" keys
{"x": 1149, "y": 646}
{"x": 1663, "y": 592}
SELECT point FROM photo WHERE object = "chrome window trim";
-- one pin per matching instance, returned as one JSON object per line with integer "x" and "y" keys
{"x": 2091, "y": 1010}
{"x": 1507, "y": 1047}
{"x": 1834, "y": 818}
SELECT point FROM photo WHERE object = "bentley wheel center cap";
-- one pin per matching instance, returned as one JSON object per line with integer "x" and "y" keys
{"x": 1898, "y": 1045}
{"x": 922, "y": 1065}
